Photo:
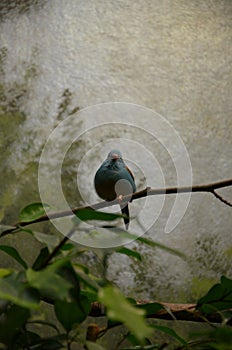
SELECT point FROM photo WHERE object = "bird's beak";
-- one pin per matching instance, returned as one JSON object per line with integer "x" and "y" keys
{"x": 115, "y": 156}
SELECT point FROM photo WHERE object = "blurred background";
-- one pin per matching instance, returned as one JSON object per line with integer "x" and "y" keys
{"x": 174, "y": 57}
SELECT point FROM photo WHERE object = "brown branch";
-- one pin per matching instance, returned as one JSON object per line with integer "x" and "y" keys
{"x": 140, "y": 194}
{"x": 223, "y": 200}
{"x": 181, "y": 312}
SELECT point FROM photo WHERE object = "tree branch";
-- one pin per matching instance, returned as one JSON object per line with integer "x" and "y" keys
{"x": 181, "y": 312}
{"x": 223, "y": 200}
{"x": 210, "y": 188}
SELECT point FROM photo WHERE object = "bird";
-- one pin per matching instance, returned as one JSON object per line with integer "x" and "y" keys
{"x": 114, "y": 179}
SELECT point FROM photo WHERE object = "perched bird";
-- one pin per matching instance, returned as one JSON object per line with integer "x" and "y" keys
{"x": 113, "y": 180}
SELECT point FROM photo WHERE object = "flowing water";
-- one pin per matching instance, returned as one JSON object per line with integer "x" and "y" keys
{"x": 171, "y": 57}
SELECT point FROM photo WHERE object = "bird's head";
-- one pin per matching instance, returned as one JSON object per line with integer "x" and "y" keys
{"x": 114, "y": 155}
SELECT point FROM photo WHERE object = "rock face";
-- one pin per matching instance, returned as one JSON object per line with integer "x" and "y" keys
{"x": 173, "y": 57}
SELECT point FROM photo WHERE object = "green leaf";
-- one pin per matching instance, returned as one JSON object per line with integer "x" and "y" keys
{"x": 170, "y": 332}
{"x": 32, "y": 212}
{"x": 49, "y": 283}
{"x": 67, "y": 247}
{"x": 150, "y": 308}
{"x": 90, "y": 214}
{"x": 129, "y": 252}
{"x": 10, "y": 325}
{"x": 12, "y": 289}
{"x": 44, "y": 253}
{"x": 71, "y": 313}
{"x": 220, "y": 338}
{"x": 120, "y": 309}
{"x": 86, "y": 279}
{"x": 149, "y": 242}
{"x": 93, "y": 346}
{"x": 51, "y": 241}
{"x": 219, "y": 297}
{"x": 5, "y": 272}
{"x": 69, "y": 274}
{"x": 14, "y": 254}
{"x": 92, "y": 296}
{"x": 82, "y": 267}
{"x": 161, "y": 246}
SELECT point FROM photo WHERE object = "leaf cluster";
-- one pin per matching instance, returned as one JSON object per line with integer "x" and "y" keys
{"x": 57, "y": 278}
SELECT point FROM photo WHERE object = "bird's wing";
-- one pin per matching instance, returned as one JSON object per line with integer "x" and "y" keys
{"x": 130, "y": 172}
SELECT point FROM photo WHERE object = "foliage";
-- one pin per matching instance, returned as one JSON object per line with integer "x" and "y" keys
{"x": 219, "y": 297}
{"x": 58, "y": 279}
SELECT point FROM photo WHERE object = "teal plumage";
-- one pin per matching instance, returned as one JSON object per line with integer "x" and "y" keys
{"x": 114, "y": 179}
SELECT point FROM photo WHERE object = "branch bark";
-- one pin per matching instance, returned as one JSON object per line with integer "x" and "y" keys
{"x": 210, "y": 188}
{"x": 181, "y": 312}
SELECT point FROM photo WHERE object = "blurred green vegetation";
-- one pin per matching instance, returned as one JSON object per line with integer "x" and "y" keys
{"x": 58, "y": 278}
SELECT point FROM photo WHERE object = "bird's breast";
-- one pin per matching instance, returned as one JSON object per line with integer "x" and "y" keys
{"x": 105, "y": 186}
{"x": 109, "y": 181}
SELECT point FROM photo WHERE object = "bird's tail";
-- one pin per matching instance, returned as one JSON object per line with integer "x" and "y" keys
{"x": 126, "y": 213}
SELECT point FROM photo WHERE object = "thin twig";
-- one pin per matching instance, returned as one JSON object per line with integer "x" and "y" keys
{"x": 223, "y": 200}
{"x": 56, "y": 249}
{"x": 210, "y": 188}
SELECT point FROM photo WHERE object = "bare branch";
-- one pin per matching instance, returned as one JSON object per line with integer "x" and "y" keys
{"x": 223, "y": 200}
{"x": 140, "y": 194}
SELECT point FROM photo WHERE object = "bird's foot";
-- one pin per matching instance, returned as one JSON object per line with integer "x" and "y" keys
{"x": 120, "y": 198}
